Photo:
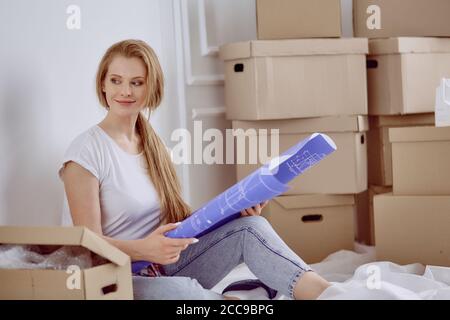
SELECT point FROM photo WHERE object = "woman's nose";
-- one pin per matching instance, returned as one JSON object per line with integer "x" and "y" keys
{"x": 126, "y": 90}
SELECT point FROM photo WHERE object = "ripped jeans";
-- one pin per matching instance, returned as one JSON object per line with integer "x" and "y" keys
{"x": 202, "y": 265}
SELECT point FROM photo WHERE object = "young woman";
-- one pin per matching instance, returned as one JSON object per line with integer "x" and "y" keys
{"x": 120, "y": 182}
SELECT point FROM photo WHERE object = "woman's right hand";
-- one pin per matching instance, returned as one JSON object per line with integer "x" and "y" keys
{"x": 158, "y": 248}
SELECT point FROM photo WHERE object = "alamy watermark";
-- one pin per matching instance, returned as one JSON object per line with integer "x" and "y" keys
{"x": 73, "y": 281}
{"x": 73, "y": 21}
{"x": 374, "y": 20}
{"x": 238, "y": 146}
{"x": 373, "y": 281}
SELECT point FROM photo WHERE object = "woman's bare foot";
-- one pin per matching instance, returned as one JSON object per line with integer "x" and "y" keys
{"x": 310, "y": 286}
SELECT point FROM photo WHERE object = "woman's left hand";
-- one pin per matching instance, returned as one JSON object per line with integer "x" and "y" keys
{"x": 254, "y": 211}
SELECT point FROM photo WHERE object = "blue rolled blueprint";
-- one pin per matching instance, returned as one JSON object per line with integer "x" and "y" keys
{"x": 267, "y": 182}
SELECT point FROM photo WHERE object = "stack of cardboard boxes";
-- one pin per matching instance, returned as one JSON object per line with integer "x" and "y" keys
{"x": 39, "y": 273}
{"x": 408, "y": 56}
{"x": 299, "y": 79}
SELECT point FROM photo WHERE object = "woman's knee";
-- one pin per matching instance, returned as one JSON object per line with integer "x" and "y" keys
{"x": 257, "y": 223}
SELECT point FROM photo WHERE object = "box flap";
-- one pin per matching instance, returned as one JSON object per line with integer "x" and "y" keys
{"x": 402, "y": 120}
{"x": 233, "y": 51}
{"x": 41, "y": 235}
{"x": 101, "y": 247}
{"x": 295, "y": 47}
{"x": 314, "y": 201}
{"x": 306, "y": 125}
{"x": 409, "y": 45}
{"x": 413, "y": 134}
{"x": 380, "y": 189}
{"x": 74, "y": 236}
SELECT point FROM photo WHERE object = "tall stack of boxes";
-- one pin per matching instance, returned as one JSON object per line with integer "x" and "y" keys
{"x": 412, "y": 224}
{"x": 300, "y": 78}
{"x": 409, "y": 194}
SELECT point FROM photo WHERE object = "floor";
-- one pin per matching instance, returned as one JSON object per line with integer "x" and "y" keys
{"x": 357, "y": 275}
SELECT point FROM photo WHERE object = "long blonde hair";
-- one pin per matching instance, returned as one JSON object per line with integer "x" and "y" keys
{"x": 160, "y": 167}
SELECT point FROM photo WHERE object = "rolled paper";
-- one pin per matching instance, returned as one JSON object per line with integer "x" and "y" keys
{"x": 267, "y": 182}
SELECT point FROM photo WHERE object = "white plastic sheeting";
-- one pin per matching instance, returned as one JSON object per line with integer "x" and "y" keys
{"x": 356, "y": 275}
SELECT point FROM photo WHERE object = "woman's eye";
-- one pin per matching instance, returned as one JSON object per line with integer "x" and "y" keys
{"x": 115, "y": 81}
{"x": 137, "y": 84}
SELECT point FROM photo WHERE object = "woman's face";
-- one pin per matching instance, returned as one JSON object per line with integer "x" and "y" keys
{"x": 125, "y": 86}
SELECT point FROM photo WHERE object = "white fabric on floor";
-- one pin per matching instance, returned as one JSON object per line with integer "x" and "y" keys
{"x": 356, "y": 275}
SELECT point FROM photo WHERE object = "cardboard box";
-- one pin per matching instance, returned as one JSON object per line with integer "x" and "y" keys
{"x": 295, "y": 78}
{"x": 413, "y": 229}
{"x": 295, "y": 19}
{"x": 343, "y": 172}
{"x": 313, "y": 226}
{"x": 379, "y": 149}
{"x": 362, "y": 218}
{"x": 107, "y": 281}
{"x": 403, "y": 74}
{"x": 400, "y": 18}
{"x": 420, "y": 160}
{"x": 365, "y": 230}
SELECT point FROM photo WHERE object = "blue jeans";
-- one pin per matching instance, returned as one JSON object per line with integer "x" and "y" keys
{"x": 202, "y": 265}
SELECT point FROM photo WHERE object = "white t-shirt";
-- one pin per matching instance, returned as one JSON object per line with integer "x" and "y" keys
{"x": 128, "y": 200}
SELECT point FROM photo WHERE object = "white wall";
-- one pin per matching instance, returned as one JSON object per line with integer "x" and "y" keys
{"x": 47, "y": 88}
{"x": 47, "y": 92}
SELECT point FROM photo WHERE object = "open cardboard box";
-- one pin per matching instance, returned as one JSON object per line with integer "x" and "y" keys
{"x": 111, "y": 280}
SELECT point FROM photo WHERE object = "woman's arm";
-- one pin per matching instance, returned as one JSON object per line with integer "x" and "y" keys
{"x": 83, "y": 195}
{"x": 82, "y": 190}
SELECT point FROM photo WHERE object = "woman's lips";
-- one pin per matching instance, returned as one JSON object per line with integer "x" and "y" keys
{"x": 125, "y": 103}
